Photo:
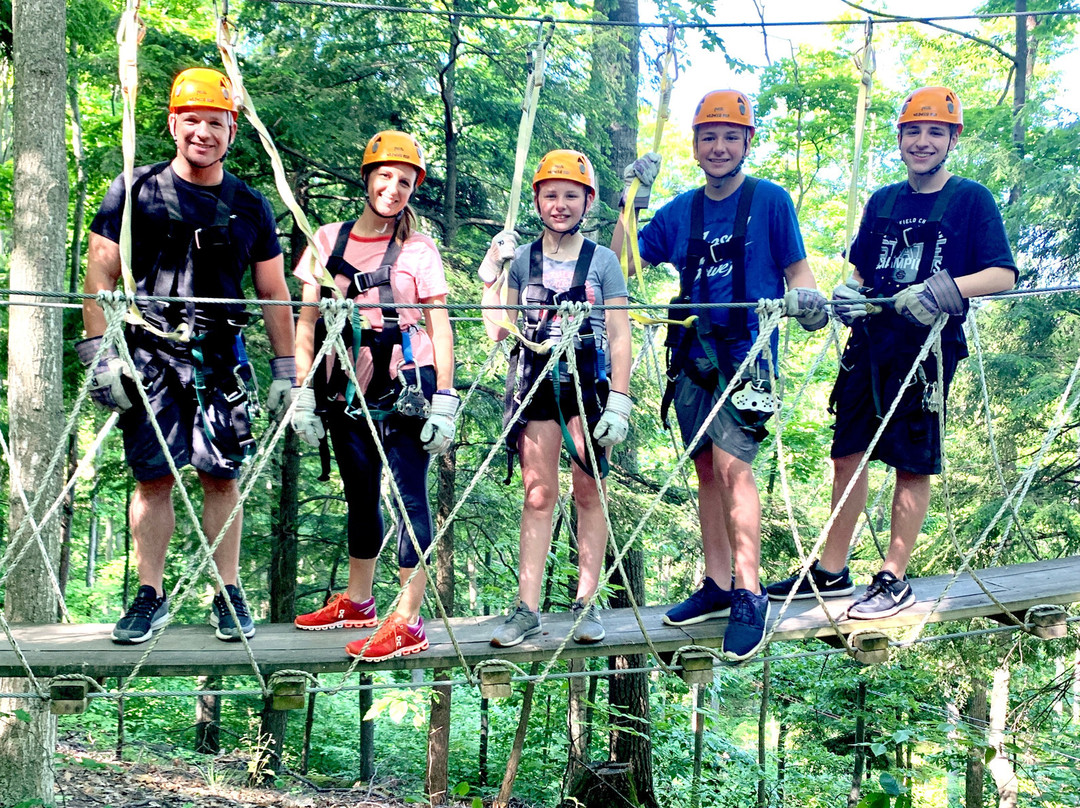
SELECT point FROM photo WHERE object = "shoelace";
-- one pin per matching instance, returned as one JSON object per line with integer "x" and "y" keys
{"x": 743, "y": 610}
{"x": 879, "y": 585}
{"x": 143, "y": 607}
{"x": 239, "y": 606}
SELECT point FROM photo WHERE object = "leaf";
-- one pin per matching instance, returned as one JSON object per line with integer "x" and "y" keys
{"x": 22, "y": 715}
{"x": 461, "y": 789}
{"x": 875, "y": 800}
{"x": 879, "y": 749}
{"x": 989, "y": 754}
{"x": 903, "y": 801}
{"x": 889, "y": 784}
{"x": 477, "y": 802}
{"x": 397, "y": 711}
{"x": 902, "y": 735}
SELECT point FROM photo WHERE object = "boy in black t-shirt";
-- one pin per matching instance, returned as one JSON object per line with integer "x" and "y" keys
{"x": 196, "y": 230}
{"x": 929, "y": 242}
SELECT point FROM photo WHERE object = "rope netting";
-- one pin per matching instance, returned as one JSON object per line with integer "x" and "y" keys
{"x": 122, "y": 308}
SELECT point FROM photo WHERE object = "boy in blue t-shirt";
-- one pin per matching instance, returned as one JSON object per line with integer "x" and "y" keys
{"x": 930, "y": 242}
{"x": 734, "y": 240}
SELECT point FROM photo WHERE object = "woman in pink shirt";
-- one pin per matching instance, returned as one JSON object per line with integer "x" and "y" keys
{"x": 404, "y": 365}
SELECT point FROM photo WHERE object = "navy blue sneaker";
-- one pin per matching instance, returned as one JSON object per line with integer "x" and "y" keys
{"x": 830, "y": 585}
{"x": 227, "y": 628}
{"x": 885, "y": 596}
{"x": 745, "y": 632}
{"x": 707, "y": 603}
{"x": 144, "y": 616}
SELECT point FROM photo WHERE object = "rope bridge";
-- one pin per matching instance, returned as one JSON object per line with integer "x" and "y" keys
{"x": 1011, "y": 594}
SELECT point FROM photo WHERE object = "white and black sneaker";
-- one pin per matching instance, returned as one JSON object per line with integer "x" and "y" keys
{"x": 829, "y": 585}
{"x": 885, "y": 596}
{"x": 144, "y": 616}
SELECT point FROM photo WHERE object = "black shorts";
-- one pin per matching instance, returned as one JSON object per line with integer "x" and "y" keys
{"x": 543, "y": 406}
{"x": 911, "y": 441}
{"x": 183, "y": 425}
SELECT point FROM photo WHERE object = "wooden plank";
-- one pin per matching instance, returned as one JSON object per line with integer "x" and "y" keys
{"x": 193, "y": 650}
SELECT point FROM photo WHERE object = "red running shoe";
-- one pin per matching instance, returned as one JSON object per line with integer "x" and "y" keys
{"x": 340, "y": 612}
{"x": 394, "y": 638}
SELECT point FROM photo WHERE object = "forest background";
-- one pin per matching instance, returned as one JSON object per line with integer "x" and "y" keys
{"x": 972, "y": 721}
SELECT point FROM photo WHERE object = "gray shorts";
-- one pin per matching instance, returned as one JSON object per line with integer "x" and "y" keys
{"x": 692, "y": 404}
{"x": 182, "y": 424}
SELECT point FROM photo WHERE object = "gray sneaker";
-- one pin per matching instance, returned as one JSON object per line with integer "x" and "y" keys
{"x": 590, "y": 629}
{"x": 524, "y": 622}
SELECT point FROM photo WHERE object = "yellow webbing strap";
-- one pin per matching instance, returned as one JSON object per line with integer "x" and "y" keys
{"x": 866, "y": 62}
{"x": 535, "y": 80}
{"x": 226, "y": 34}
{"x": 629, "y": 219}
{"x": 128, "y": 36}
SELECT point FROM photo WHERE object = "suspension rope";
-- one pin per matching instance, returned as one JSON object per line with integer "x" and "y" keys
{"x": 866, "y": 62}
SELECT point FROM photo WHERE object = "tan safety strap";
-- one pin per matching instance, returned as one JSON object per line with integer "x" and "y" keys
{"x": 533, "y": 83}
{"x": 630, "y": 251}
{"x": 128, "y": 36}
{"x": 226, "y": 42}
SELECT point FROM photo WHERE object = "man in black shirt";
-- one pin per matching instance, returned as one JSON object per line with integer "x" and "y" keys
{"x": 196, "y": 229}
{"x": 930, "y": 243}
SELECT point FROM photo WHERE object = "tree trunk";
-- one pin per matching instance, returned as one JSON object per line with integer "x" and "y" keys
{"x": 613, "y": 81}
{"x": 1001, "y": 766}
{"x": 367, "y": 731}
{"x": 284, "y": 544}
{"x": 271, "y": 744}
{"x": 35, "y": 383}
{"x": 577, "y": 722}
{"x": 976, "y": 766}
{"x": 628, "y": 693}
{"x": 208, "y": 718}
{"x": 447, "y": 80}
{"x": 860, "y": 747}
{"x": 507, "y": 787}
{"x": 439, "y": 716}
{"x": 439, "y": 741}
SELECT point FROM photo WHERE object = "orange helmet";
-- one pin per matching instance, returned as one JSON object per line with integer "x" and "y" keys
{"x": 725, "y": 106}
{"x": 938, "y": 104}
{"x": 394, "y": 147}
{"x": 565, "y": 164}
{"x": 202, "y": 87}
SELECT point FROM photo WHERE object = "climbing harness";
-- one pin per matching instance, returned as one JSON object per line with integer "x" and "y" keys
{"x": 525, "y": 364}
{"x": 752, "y": 401}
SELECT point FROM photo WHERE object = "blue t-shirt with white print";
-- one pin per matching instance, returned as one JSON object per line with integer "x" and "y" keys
{"x": 773, "y": 242}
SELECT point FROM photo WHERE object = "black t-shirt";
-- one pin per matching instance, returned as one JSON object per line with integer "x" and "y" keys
{"x": 971, "y": 238}
{"x": 252, "y": 229}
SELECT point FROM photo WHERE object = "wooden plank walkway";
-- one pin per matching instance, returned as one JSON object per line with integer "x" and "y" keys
{"x": 192, "y": 650}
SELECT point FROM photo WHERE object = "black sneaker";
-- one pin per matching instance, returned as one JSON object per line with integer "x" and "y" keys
{"x": 745, "y": 632}
{"x": 830, "y": 585}
{"x": 146, "y": 614}
{"x": 885, "y": 596}
{"x": 707, "y": 603}
{"x": 223, "y": 621}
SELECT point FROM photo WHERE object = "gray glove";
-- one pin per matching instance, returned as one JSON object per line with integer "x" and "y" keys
{"x": 807, "y": 306}
{"x": 849, "y": 302}
{"x": 502, "y": 249}
{"x": 921, "y": 303}
{"x": 438, "y": 431}
{"x": 108, "y": 388}
{"x": 307, "y": 425}
{"x": 283, "y": 371}
{"x": 644, "y": 170}
{"x": 614, "y": 422}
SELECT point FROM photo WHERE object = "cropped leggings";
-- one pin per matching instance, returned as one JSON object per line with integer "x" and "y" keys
{"x": 360, "y": 467}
